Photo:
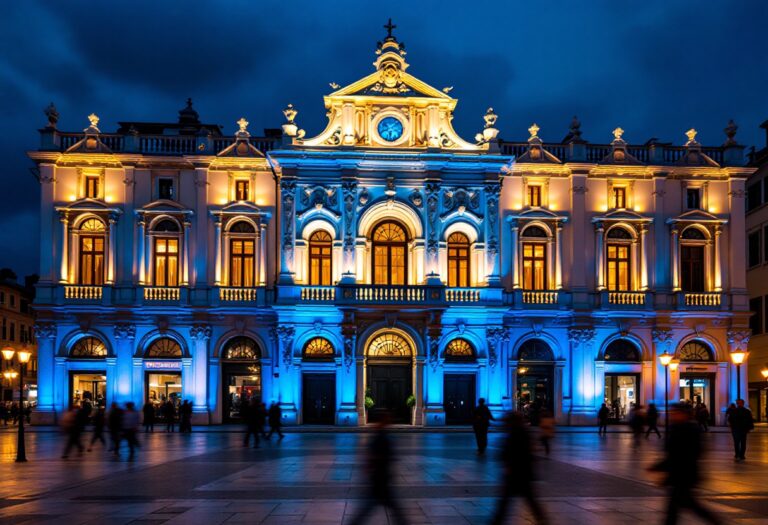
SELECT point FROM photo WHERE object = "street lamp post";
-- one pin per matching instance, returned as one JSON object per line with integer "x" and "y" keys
{"x": 23, "y": 355}
{"x": 666, "y": 359}
{"x": 738, "y": 357}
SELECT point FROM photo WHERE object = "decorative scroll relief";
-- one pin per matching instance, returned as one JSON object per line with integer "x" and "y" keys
{"x": 433, "y": 352}
{"x": 460, "y": 197}
{"x": 125, "y": 331}
{"x": 492, "y": 210}
{"x": 495, "y": 336}
{"x": 432, "y": 191}
{"x": 581, "y": 336}
{"x": 284, "y": 335}
{"x": 349, "y": 351}
{"x": 45, "y": 331}
{"x": 318, "y": 197}
{"x": 289, "y": 218}
{"x": 739, "y": 339}
{"x": 200, "y": 332}
{"x": 349, "y": 190}
{"x": 662, "y": 337}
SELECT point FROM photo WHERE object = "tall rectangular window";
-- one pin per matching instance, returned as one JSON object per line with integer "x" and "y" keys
{"x": 165, "y": 189}
{"x": 693, "y": 198}
{"x": 4, "y": 332}
{"x": 618, "y": 267}
{"x": 241, "y": 190}
{"x": 320, "y": 252}
{"x": 756, "y": 319}
{"x": 92, "y": 260}
{"x": 753, "y": 248}
{"x": 534, "y": 195}
{"x": 534, "y": 266}
{"x": 619, "y": 197}
{"x": 241, "y": 263}
{"x": 692, "y": 268}
{"x": 92, "y": 187}
{"x": 166, "y": 262}
{"x": 13, "y": 332}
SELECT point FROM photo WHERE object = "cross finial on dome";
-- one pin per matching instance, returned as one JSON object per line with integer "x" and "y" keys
{"x": 243, "y": 124}
{"x": 617, "y": 133}
{"x": 94, "y": 119}
{"x": 534, "y": 131}
{"x": 389, "y": 27}
{"x": 691, "y": 134}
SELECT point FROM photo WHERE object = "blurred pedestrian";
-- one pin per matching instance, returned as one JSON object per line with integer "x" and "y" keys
{"x": 148, "y": 411}
{"x": 681, "y": 464}
{"x": 275, "y": 417}
{"x": 652, "y": 419}
{"x": 14, "y": 413}
{"x": 185, "y": 414}
{"x": 546, "y": 429}
{"x": 261, "y": 420}
{"x": 115, "y": 424}
{"x": 517, "y": 464}
{"x": 481, "y": 421}
{"x": 98, "y": 428}
{"x": 702, "y": 416}
{"x": 741, "y": 422}
{"x": 379, "y": 461}
{"x": 168, "y": 411}
{"x": 252, "y": 424}
{"x": 130, "y": 428}
{"x": 4, "y": 413}
{"x": 74, "y": 422}
{"x": 636, "y": 423}
{"x": 602, "y": 420}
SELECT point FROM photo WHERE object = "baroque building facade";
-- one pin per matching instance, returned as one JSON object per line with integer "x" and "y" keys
{"x": 386, "y": 264}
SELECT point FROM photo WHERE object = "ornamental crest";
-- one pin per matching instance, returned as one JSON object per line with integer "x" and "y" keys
{"x": 318, "y": 197}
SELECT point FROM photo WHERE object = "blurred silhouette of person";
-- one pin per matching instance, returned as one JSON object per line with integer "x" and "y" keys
{"x": 14, "y": 413}
{"x": 130, "y": 428}
{"x": 481, "y": 420}
{"x": 74, "y": 423}
{"x": 115, "y": 424}
{"x": 379, "y": 461}
{"x": 517, "y": 460}
{"x": 275, "y": 417}
{"x": 252, "y": 417}
{"x": 148, "y": 411}
{"x": 602, "y": 420}
{"x": 702, "y": 416}
{"x": 681, "y": 464}
{"x": 185, "y": 413}
{"x": 98, "y": 428}
{"x": 4, "y": 414}
{"x": 546, "y": 429}
{"x": 652, "y": 419}
{"x": 261, "y": 420}
{"x": 168, "y": 411}
{"x": 636, "y": 423}
{"x": 741, "y": 422}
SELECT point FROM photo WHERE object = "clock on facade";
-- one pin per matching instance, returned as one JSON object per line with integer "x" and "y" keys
{"x": 390, "y": 129}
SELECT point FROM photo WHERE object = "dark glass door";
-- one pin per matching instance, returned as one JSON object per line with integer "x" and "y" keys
{"x": 390, "y": 386}
{"x": 241, "y": 383}
{"x": 696, "y": 389}
{"x": 535, "y": 389}
{"x": 459, "y": 398}
{"x": 319, "y": 399}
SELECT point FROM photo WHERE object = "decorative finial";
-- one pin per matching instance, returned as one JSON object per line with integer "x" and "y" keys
{"x": 290, "y": 113}
{"x": 243, "y": 125}
{"x": 389, "y": 27}
{"x": 94, "y": 119}
{"x": 575, "y": 128}
{"x": 691, "y": 134}
{"x": 730, "y": 132}
{"x": 534, "y": 131}
{"x": 334, "y": 85}
{"x": 617, "y": 133}
{"x": 447, "y": 89}
{"x": 290, "y": 129}
{"x": 490, "y": 118}
{"x": 52, "y": 114}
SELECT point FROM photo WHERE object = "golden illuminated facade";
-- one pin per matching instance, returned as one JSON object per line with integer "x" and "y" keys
{"x": 388, "y": 264}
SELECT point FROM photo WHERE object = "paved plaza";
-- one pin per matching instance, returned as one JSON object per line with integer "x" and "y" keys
{"x": 208, "y": 477}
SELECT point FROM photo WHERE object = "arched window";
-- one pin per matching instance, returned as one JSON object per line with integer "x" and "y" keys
{"x": 320, "y": 247}
{"x": 622, "y": 350}
{"x": 459, "y": 350}
{"x": 241, "y": 348}
{"x": 534, "y": 258}
{"x": 88, "y": 347}
{"x": 694, "y": 351}
{"x": 164, "y": 348}
{"x": 242, "y": 255}
{"x": 618, "y": 251}
{"x": 166, "y": 253}
{"x": 458, "y": 260}
{"x": 166, "y": 225}
{"x": 535, "y": 350}
{"x": 92, "y": 242}
{"x": 390, "y": 249}
{"x": 389, "y": 345}
{"x": 692, "y": 262}
{"x": 318, "y": 348}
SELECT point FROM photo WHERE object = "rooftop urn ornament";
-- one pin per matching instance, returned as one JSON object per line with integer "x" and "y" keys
{"x": 534, "y": 131}
{"x": 617, "y": 133}
{"x": 243, "y": 124}
{"x": 575, "y": 128}
{"x": 730, "y": 132}
{"x": 691, "y": 134}
{"x": 93, "y": 128}
{"x": 53, "y": 115}
{"x": 290, "y": 128}
{"x": 188, "y": 115}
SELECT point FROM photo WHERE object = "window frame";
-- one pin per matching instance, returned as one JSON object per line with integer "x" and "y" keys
{"x": 244, "y": 260}
{"x": 242, "y": 189}
{"x": 619, "y": 197}
{"x": 320, "y": 251}
{"x": 389, "y": 246}
{"x": 459, "y": 251}
{"x": 167, "y": 256}
{"x": 534, "y": 195}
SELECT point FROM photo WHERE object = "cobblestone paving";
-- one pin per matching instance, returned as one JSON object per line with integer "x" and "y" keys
{"x": 210, "y": 478}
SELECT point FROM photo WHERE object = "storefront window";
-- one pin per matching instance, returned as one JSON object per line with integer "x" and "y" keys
{"x": 163, "y": 387}
{"x": 620, "y": 396}
{"x": 89, "y": 388}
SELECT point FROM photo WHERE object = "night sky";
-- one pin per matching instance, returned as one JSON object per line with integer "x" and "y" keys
{"x": 654, "y": 68}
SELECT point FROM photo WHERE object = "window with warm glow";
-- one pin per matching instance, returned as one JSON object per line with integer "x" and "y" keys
{"x": 92, "y": 187}
{"x": 318, "y": 348}
{"x": 618, "y": 267}
{"x": 241, "y": 190}
{"x": 390, "y": 245}
{"x": 534, "y": 266}
{"x": 692, "y": 263}
{"x": 534, "y": 195}
{"x": 91, "y": 264}
{"x": 320, "y": 261}
{"x": 242, "y": 262}
{"x": 458, "y": 260}
{"x": 166, "y": 262}
{"x": 619, "y": 197}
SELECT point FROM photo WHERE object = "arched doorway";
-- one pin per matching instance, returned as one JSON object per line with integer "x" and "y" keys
{"x": 389, "y": 378}
{"x": 697, "y": 375}
{"x": 241, "y": 374}
{"x": 318, "y": 382}
{"x": 459, "y": 383}
{"x": 623, "y": 369}
{"x": 535, "y": 381}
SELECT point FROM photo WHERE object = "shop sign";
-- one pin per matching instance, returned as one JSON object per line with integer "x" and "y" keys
{"x": 162, "y": 365}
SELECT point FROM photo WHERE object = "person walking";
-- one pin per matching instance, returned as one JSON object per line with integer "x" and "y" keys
{"x": 4, "y": 414}
{"x": 275, "y": 417}
{"x": 652, "y": 419}
{"x": 602, "y": 420}
{"x": 251, "y": 424}
{"x": 130, "y": 428}
{"x": 148, "y": 413}
{"x": 702, "y": 417}
{"x": 741, "y": 422}
{"x": 14, "y": 413}
{"x": 115, "y": 424}
{"x": 98, "y": 428}
{"x": 636, "y": 423}
{"x": 681, "y": 465}
{"x": 185, "y": 414}
{"x": 74, "y": 423}
{"x": 481, "y": 421}
{"x": 546, "y": 429}
{"x": 168, "y": 411}
{"x": 517, "y": 464}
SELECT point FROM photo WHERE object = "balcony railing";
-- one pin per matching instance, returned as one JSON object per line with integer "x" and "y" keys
{"x": 161, "y": 294}
{"x": 462, "y": 295}
{"x": 539, "y": 297}
{"x": 83, "y": 292}
{"x": 238, "y": 294}
{"x": 318, "y": 293}
{"x": 387, "y": 294}
{"x": 702, "y": 299}
{"x": 626, "y": 298}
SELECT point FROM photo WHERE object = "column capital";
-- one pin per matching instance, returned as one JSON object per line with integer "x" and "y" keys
{"x": 125, "y": 331}
{"x": 739, "y": 339}
{"x": 200, "y": 332}
{"x": 45, "y": 331}
{"x": 581, "y": 336}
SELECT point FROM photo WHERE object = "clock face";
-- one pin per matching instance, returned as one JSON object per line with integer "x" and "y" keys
{"x": 390, "y": 129}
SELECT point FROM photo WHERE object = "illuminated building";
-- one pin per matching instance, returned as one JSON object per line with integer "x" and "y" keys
{"x": 17, "y": 332}
{"x": 384, "y": 257}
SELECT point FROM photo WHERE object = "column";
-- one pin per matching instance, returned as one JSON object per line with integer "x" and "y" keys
{"x": 709, "y": 280}
{"x": 718, "y": 261}
{"x": 185, "y": 255}
{"x": 198, "y": 378}
{"x": 495, "y": 338}
{"x": 492, "y": 191}
{"x": 110, "y": 365}
{"x": 635, "y": 261}
{"x": 284, "y": 336}
{"x": 48, "y": 246}
{"x": 64, "y": 268}
{"x": 287, "y": 231}
{"x": 346, "y": 375}
{"x": 434, "y": 413}
{"x": 112, "y": 248}
{"x": 137, "y": 381}
{"x": 600, "y": 256}
{"x": 579, "y": 253}
{"x": 418, "y": 390}
{"x": 431, "y": 235}
{"x": 559, "y": 257}
{"x": 217, "y": 254}
{"x": 643, "y": 257}
{"x": 675, "y": 251}
{"x": 263, "y": 255}
{"x": 662, "y": 342}
{"x": 142, "y": 263}
{"x": 515, "y": 247}
{"x": 124, "y": 336}
{"x": 61, "y": 393}
{"x": 583, "y": 398}
{"x": 550, "y": 263}
{"x": 46, "y": 337}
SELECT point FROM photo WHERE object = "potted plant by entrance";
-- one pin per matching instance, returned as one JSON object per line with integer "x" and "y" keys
{"x": 411, "y": 403}
{"x": 368, "y": 402}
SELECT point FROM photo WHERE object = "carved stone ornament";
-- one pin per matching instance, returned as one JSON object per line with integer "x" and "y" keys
{"x": 459, "y": 197}
{"x": 495, "y": 337}
{"x": 200, "y": 332}
{"x": 45, "y": 331}
{"x": 581, "y": 336}
{"x": 416, "y": 198}
{"x": 125, "y": 331}
{"x": 318, "y": 197}
{"x": 350, "y": 191}
{"x": 349, "y": 351}
{"x": 364, "y": 197}
{"x": 739, "y": 339}
{"x": 662, "y": 337}
{"x": 285, "y": 334}
{"x": 433, "y": 352}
